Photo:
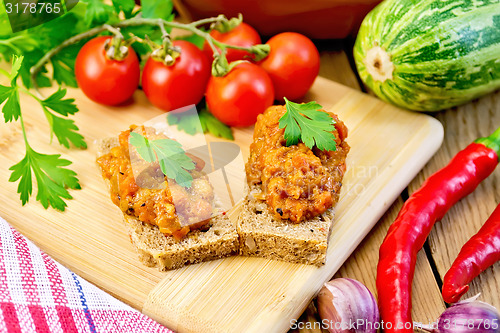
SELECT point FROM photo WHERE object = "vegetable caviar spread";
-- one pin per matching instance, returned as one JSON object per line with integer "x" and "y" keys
{"x": 297, "y": 183}
{"x": 173, "y": 208}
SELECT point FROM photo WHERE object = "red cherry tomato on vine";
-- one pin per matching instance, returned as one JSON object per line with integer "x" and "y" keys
{"x": 178, "y": 85}
{"x": 104, "y": 80}
{"x": 292, "y": 64}
{"x": 239, "y": 97}
{"x": 242, "y": 35}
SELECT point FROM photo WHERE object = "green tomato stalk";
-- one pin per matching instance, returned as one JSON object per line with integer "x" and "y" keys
{"x": 221, "y": 23}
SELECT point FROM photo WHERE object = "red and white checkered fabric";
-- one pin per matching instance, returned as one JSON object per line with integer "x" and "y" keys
{"x": 37, "y": 294}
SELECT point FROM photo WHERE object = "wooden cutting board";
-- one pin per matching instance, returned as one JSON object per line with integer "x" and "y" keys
{"x": 388, "y": 147}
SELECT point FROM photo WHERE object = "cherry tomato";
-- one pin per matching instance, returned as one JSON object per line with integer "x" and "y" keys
{"x": 242, "y": 35}
{"x": 292, "y": 64}
{"x": 178, "y": 85}
{"x": 104, "y": 80}
{"x": 239, "y": 97}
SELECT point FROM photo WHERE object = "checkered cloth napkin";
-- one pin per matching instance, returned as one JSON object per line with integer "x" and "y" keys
{"x": 37, "y": 294}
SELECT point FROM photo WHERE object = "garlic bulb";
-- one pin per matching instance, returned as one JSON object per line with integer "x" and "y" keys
{"x": 468, "y": 316}
{"x": 346, "y": 306}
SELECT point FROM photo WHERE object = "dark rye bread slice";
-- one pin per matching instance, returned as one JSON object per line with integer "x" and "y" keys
{"x": 262, "y": 235}
{"x": 165, "y": 253}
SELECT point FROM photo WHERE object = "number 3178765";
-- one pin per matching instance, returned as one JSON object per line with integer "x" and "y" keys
{"x": 33, "y": 8}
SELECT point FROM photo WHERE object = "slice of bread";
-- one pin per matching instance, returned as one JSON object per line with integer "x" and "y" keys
{"x": 262, "y": 235}
{"x": 287, "y": 189}
{"x": 157, "y": 250}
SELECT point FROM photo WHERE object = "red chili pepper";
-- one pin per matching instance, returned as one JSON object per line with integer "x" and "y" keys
{"x": 406, "y": 236}
{"x": 479, "y": 253}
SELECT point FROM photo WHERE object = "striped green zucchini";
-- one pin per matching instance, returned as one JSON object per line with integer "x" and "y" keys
{"x": 430, "y": 55}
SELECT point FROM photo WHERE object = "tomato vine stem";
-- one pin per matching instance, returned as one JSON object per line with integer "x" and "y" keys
{"x": 218, "y": 48}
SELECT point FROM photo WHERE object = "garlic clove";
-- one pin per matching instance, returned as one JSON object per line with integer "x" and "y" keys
{"x": 346, "y": 305}
{"x": 469, "y": 316}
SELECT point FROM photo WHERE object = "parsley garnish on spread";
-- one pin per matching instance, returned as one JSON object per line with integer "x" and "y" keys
{"x": 305, "y": 122}
{"x": 173, "y": 160}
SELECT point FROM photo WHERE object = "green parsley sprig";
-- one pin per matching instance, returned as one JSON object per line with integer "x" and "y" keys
{"x": 26, "y": 49}
{"x": 52, "y": 178}
{"x": 49, "y": 52}
{"x": 174, "y": 162}
{"x": 304, "y": 122}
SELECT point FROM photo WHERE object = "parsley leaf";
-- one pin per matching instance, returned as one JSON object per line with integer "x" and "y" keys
{"x": 157, "y": 9}
{"x": 214, "y": 126}
{"x": 307, "y": 123}
{"x": 141, "y": 144}
{"x": 42, "y": 80}
{"x": 63, "y": 70}
{"x": 98, "y": 12}
{"x": 126, "y": 6}
{"x": 190, "y": 123}
{"x": 51, "y": 177}
{"x": 59, "y": 105}
{"x": 174, "y": 162}
{"x": 11, "y": 110}
{"x": 16, "y": 44}
{"x": 16, "y": 66}
{"x": 35, "y": 42}
{"x": 64, "y": 129}
{"x": 53, "y": 180}
{"x": 187, "y": 122}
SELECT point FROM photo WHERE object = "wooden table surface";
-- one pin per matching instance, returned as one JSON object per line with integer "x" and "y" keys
{"x": 462, "y": 125}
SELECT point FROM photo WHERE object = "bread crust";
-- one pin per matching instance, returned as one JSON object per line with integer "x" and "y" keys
{"x": 262, "y": 235}
{"x": 157, "y": 250}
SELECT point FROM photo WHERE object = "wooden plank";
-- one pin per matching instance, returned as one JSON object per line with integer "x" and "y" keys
{"x": 335, "y": 66}
{"x": 362, "y": 266}
{"x": 463, "y": 125}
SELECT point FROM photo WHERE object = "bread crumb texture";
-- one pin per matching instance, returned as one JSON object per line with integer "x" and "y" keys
{"x": 261, "y": 235}
{"x": 157, "y": 250}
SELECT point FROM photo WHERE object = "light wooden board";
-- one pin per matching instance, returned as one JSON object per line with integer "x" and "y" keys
{"x": 389, "y": 147}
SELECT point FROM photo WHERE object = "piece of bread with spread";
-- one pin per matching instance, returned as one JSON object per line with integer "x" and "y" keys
{"x": 165, "y": 235}
{"x": 293, "y": 190}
